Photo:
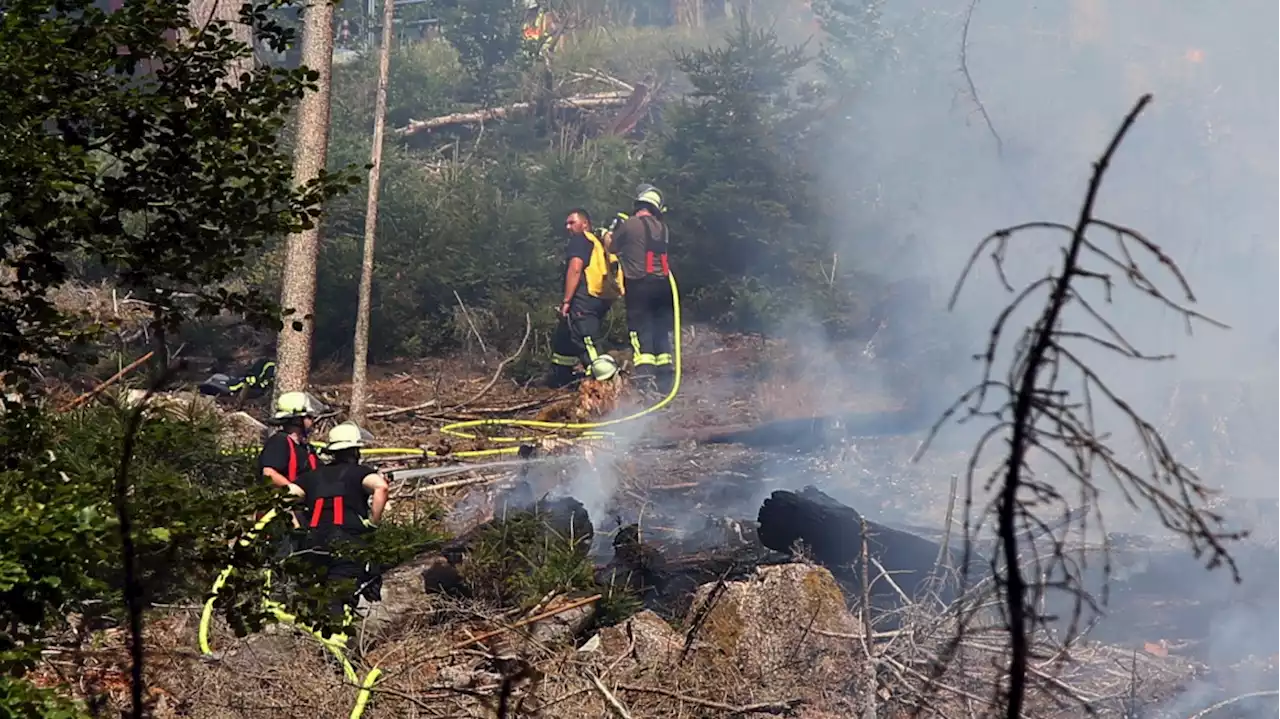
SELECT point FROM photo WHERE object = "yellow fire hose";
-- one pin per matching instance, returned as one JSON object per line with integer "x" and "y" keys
{"x": 586, "y": 429}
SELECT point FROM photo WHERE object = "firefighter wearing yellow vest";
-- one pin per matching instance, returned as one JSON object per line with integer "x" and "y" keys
{"x": 640, "y": 242}
{"x": 592, "y": 281}
{"x": 537, "y": 29}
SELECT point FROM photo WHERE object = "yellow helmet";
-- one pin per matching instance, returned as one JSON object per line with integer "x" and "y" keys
{"x": 295, "y": 404}
{"x": 347, "y": 435}
{"x": 651, "y": 196}
{"x": 603, "y": 368}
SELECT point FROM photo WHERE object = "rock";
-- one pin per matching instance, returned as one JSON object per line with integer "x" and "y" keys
{"x": 565, "y": 626}
{"x": 402, "y": 598}
{"x": 770, "y": 622}
{"x": 245, "y": 426}
{"x": 646, "y": 635}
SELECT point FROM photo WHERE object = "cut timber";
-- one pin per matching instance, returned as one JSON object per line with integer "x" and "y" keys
{"x": 578, "y": 102}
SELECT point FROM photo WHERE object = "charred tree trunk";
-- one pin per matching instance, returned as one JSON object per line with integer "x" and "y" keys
{"x": 298, "y": 295}
{"x": 831, "y": 534}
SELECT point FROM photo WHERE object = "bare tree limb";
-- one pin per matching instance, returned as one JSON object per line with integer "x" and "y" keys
{"x": 968, "y": 78}
{"x": 528, "y": 327}
{"x": 1036, "y": 415}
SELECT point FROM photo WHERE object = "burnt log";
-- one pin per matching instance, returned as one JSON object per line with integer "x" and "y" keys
{"x": 810, "y": 522}
{"x": 665, "y": 575}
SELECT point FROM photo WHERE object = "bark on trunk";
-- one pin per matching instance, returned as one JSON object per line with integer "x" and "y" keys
{"x": 293, "y": 353}
{"x": 360, "y": 363}
{"x": 204, "y": 12}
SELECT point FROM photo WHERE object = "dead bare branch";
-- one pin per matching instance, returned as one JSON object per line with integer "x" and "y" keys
{"x": 1035, "y": 414}
{"x": 775, "y": 708}
{"x": 528, "y": 327}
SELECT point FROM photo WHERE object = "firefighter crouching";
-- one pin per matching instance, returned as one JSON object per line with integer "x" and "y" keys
{"x": 337, "y": 507}
{"x": 640, "y": 242}
{"x": 592, "y": 281}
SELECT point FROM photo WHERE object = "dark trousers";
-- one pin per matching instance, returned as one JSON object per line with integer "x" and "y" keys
{"x": 579, "y": 338}
{"x": 651, "y": 322}
{"x": 364, "y": 579}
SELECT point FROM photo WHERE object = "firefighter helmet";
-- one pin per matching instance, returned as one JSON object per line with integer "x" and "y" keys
{"x": 295, "y": 404}
{"x": 347, "y": 435}
{"x": 647, "y": 194}
{"x": 603, "y": 368}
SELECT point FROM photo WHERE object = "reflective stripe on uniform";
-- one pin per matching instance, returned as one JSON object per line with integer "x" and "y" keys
{"x": 564, "y": 360}
{"x": 640, "y": 357}
{"x": 662, "y": 359}
{"x": 591, "y": 348}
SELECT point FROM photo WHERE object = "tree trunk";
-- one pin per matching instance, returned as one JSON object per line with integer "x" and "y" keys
{"x": 205, "y": 11}
{"x": 298, "y": 297}
{"x": 360, "y": 363}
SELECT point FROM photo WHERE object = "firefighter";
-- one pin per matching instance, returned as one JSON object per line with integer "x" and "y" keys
{"x": 537, "y": 30}
{"x": 640, "y": 242}
{"x": 337, "y": 507}
{"x": 592, "y": 281}
{"x": 287, "y": 455}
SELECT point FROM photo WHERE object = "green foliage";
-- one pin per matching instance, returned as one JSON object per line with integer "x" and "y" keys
{"x": 59, "y": 535}
{"x": 139, "y": 154}
{"x": 488, "y": 37}
{"x": 20, "y": 698}
{"x": 522, "y": 558}
{"x": 749, "y": 243}
{"x": 129, "y": 150}
{"x": 479, "y": 212}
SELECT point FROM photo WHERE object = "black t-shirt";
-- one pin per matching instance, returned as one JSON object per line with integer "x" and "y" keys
{"x": 336, "y": 501}
{"x": 292, "y": 459}
{"x": 580, "y": 247}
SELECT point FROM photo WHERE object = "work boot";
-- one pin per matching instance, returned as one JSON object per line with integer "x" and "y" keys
{"x": 665, "y": 380}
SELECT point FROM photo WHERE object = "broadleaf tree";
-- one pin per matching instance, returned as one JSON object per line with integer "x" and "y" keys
{"x": 127, "y": 147}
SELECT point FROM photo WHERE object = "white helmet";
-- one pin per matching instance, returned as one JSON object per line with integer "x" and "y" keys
{"x": 603, "y": 368}
{"x": 347, "y": 435}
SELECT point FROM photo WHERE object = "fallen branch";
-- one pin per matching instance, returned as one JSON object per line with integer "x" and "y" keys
{"x": 110, "y": 381}
{"x": 778, "y": 708}
{"x": 464, "y": 482}
{"x": 402, "y": 410}
{"x": 531, "y": 404}
{"x": 526, "y": 621}
{"x": 1228, "y": 702}
{"x": 614, "y": 705}
{"x": 467, "y": 316}
{"x": 580, "y": 102}
{"x": 528, "y": 327}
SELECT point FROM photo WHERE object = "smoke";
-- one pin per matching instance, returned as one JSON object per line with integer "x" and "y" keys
{"x": 1195, "y": 175}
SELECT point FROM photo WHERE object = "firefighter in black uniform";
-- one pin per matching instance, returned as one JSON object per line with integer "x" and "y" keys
{"x": 641, "y": 244}
{"x": 337, "y": 507}
{"x": 287, "y": 455}
{"x": 592, "y": 281}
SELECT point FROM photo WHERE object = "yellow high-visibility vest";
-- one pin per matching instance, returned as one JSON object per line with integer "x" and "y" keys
{"x": 603, "y": 272}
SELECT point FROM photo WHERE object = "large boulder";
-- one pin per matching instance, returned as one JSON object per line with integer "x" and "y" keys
{"x": 780, "y": 618}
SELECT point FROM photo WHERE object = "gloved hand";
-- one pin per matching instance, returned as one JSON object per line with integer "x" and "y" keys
{"x": 617, "y": 220}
